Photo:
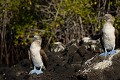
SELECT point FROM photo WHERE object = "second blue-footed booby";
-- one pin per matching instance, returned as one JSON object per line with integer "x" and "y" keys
{"x": 109, "y": 35}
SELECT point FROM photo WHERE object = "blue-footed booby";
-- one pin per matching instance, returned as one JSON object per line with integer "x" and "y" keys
{"x": 109, "y": 36}
{"x": 38, "y": 56}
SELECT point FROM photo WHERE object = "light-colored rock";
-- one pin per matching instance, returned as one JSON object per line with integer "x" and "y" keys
{"x": 101, "y": 68}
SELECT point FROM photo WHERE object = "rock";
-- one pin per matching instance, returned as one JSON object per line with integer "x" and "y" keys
{"x": 74, "y": 63}
{"x": 58, "y": 47}
{"x": 99, "y": 68}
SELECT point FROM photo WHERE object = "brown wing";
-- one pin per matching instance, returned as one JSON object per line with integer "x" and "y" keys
{"x": 101, "y": 39}
{"x": 44, "y": 57}
{"x": 99, "y": 35}
{"x": 116, "y": 38}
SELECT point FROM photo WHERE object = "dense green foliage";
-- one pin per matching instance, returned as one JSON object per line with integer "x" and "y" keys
{"x": 28, "y": 14}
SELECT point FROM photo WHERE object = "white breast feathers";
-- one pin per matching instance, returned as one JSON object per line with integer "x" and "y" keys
{"x": 108, "y": 35}
{"x": 35, "y": 53}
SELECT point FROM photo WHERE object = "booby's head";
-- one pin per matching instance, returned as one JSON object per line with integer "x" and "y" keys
{"x": 36, "y": 37}
{"x": 109, "y": 17}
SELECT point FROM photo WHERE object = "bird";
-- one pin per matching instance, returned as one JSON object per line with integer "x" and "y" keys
{"x": 38, "y": 56}
{"x": 108, "y": 36}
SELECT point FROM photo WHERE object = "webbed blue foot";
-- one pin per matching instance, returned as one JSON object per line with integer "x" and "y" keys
{"x": 112, "y": 52}
{"x": 36, "y": 71}
{"x": 104, "y": 54}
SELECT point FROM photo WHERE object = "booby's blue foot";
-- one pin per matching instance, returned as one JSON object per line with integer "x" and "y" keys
{"x": 36, "y": 72}
{"x": 39, "y": 72}
{"x": 104, "y": 54}
{"x": 112, "y": 52}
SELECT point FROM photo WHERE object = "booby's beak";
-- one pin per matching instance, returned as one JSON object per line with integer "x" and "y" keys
{"x": 100, "y": 17}
{"x": 103, "y": 17}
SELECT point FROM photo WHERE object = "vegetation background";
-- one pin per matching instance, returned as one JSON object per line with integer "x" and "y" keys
{"x": 55, "y": 20}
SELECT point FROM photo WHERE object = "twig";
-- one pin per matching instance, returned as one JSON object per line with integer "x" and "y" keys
{"x": 81, "y": 27}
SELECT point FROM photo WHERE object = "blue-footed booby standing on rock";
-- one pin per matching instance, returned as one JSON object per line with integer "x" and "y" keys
{"x": 38, "y": 56}
{"x": 109, "y": 35}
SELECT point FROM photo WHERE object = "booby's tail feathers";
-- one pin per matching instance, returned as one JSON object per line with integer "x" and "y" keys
{"x": 116, "y": 38}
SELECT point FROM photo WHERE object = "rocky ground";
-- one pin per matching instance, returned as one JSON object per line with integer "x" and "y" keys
{"x": 76, "y": 62}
